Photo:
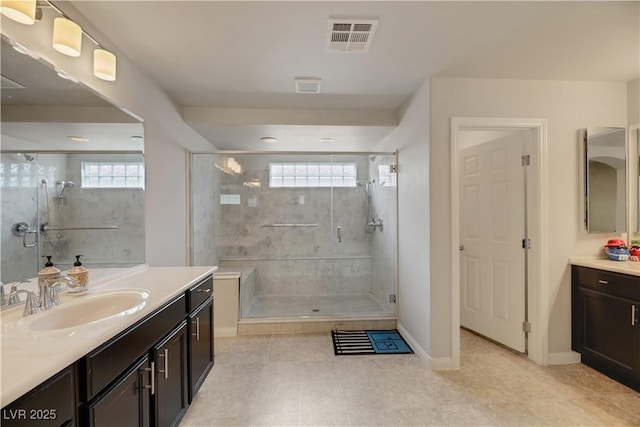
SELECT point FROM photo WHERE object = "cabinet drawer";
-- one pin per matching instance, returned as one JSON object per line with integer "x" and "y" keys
{"x": 106, "y": 363}
{"x": 621, "y": 285}
{"x": 199, "y": 293}
{"x": 50, "y": 404}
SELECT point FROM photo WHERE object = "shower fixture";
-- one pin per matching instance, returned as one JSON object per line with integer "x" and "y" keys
{"x": 365, "y": 186}
{"x": 62, "y": 185}
{"x": 26, "y": 156}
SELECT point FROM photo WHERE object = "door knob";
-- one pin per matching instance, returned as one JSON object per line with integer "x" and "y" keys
{"x": 461, "y": 247}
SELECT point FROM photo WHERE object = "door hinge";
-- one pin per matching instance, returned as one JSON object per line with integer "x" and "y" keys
{"x": 393, "y": 168}
{"x": 526, "y": 243}
{"x": 526, "y": 327}
{"x": 392, "y": 298}
{"x": 526, "y": 160}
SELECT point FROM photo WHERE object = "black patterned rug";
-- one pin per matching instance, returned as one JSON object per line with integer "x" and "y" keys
{"x": 369, "y": 342}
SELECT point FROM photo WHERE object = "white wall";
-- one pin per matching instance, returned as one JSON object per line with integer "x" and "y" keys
{"x": 166, "y": 134}
{"x": 411, "y": 139}
{"x": 568, "y": 107}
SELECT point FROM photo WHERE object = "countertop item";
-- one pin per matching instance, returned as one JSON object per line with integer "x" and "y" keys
{"x": 31, "y": 357}
{"x": 625, "y": 267}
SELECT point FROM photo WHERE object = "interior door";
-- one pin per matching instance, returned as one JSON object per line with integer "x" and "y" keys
{"x": 492, "y": 260}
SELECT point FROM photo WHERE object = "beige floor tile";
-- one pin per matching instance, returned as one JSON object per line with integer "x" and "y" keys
{"x": 295, "y": 380}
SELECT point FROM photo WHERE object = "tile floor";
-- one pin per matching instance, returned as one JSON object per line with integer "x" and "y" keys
{"x": 295, "y": 380}
{"x": 313, "y": 305}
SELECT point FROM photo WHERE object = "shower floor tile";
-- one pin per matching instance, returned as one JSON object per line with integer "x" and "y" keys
{"x": 313, "y": 305}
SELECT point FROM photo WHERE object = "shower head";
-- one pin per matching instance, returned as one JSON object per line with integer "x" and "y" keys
{"x": 62, "y": 186}
{"x": 364, "y": 185}
{"x": 26, "y": 156}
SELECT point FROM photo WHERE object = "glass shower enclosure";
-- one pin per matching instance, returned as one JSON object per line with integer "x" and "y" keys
{"x": 314, "y": 234}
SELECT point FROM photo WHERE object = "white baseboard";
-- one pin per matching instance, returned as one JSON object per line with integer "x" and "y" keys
{"x": 567, "y": 358}
{"x": 438, "y": 364}
{"x": 225, "y": 332}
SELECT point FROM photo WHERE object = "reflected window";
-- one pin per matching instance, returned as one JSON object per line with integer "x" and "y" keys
{"x": 312, "y": 174}
{"x": 112, "y": 174}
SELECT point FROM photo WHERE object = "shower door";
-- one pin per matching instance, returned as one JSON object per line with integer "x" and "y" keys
{"x": 19, "y": 216}
{"x": 364, "y": 234}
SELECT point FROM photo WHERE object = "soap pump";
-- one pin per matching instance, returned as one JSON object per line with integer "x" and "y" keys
{"x": 48, "y": 272}
{"x": 79, "y": 273}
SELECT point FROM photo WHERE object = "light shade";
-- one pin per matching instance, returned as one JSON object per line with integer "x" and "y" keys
{"x": 104, "y": 65}
{"x": 22, "y": 11}
{"x": 67, "y": 37}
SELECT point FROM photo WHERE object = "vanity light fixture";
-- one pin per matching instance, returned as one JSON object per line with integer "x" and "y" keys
{"x": 67, "y": 37}
{"x": 269, "y": 139}
{"x": 104, "y": 65}
{"x": 22, "y": 11}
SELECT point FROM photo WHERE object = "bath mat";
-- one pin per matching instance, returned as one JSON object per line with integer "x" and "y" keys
{"x": 369, "y": 342}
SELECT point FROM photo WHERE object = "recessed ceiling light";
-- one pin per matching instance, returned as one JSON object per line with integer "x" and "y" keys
{"x": 269, "y": 139}
{"x": 78, "y": 138}
{"x": 327, "y": 140}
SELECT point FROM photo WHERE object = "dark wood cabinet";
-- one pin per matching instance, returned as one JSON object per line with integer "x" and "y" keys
{"x": 127, "y": 403}
{"x": 53, "y": 403}
{"x": 145, "y": 376}
{"x": 200, "y": 346}
{"x": 171, "y": 394}
{"x": 606, "y": 322}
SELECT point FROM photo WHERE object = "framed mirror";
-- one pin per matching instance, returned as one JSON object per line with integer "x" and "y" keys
{"x": 71, "y": 173}
{"x": 605, "y": 180}
{"x": 634, "y": 183}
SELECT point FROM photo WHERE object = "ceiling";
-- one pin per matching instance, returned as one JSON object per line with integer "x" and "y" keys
{"x": 218, "y": 59}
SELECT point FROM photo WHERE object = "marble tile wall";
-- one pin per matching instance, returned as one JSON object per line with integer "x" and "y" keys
{"x": 292, "y": 260}
{"x": 80, "y": 207}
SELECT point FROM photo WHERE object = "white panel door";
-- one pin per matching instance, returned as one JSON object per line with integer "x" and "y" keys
{"x": 492, "y": 216}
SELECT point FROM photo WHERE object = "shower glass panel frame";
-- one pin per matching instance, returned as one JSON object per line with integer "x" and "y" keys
{"x": 305, "y": 250}
{"x": 63, "y": 218}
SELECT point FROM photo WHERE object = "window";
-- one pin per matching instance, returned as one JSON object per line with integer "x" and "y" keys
{"x": 112, "y": 175}
{"x": 312, "y": 174}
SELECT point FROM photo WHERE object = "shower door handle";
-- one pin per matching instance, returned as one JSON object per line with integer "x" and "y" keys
{"x": 339, "y": 234}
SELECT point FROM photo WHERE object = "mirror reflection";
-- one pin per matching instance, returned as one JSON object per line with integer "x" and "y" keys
{"x": 605, "y": 171}
{"x": 71, "y": 174}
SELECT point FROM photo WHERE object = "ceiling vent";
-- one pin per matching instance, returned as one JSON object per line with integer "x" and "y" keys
{"x": 7, "y": 83}
{"x": 307, "y": 85}
{"x": 350, "y": 35}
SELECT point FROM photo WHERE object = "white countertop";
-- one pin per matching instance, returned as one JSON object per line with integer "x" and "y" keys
{"x": 625, "y": 267}
{"x": 31, "y": 357}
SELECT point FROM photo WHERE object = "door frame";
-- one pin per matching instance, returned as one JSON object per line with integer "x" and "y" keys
{"x": 538, "y": 290}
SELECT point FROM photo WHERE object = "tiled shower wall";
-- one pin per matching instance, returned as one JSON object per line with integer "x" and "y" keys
{"x": 287, "y": 260}
{"x": 79, "y": 208}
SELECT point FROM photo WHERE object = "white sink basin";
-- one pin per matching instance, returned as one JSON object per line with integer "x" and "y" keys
{"x": 87, "y": 309}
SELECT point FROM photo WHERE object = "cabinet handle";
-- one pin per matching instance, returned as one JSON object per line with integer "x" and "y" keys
{"x": 203, "y": 290}
{"x": 166, "y": 363}
{"x": 152, "y": 386}
{"x": 603, "y": 282}
{"x": 634, "y": 315}
{"x": 197, "y": 334}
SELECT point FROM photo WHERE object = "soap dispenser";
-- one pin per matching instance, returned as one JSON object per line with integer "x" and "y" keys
{"x": 79, "y": 273}
{"x": 48, "y": 272}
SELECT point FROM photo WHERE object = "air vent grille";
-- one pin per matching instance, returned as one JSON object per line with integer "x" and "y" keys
{"x": 307, "y": 85}
{"x": 350, "y": 35}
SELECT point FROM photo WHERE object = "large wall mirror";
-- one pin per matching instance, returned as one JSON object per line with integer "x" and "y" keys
{"x": 605, "y": 176}
{"x": 634, "y": 182}
{"x": 71, "y": 173}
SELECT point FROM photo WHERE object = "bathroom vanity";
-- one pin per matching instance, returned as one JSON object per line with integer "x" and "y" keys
{"x": 139, "y": 369}
{"x": 606, "y": 317}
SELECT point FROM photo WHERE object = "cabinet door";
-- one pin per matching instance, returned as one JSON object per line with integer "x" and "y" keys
{"x": 171, "y": 395}
{"x": 607, "y": 331}
{"x": 50, "y": 404}
{"x": 127, "y": 402}
{"x": 200, "y": 347}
